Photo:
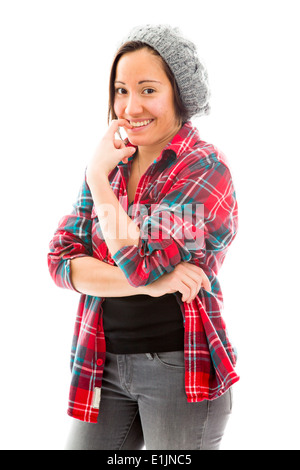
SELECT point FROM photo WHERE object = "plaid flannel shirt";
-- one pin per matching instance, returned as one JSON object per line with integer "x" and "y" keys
{"x": 189, "y": 172}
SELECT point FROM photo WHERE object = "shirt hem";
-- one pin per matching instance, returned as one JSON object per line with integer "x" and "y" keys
{"x": 91, "y": 418}
{"x": 198, "y": 397}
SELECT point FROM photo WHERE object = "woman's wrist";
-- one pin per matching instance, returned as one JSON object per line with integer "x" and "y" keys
{"x": 150, "y": 290}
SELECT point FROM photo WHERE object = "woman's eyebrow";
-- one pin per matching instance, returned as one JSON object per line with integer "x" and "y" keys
{"x": 146, "y": 81}
{"x": 139, "y": 83}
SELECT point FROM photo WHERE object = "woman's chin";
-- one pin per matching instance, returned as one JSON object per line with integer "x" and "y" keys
{"x": 139, "y": 141}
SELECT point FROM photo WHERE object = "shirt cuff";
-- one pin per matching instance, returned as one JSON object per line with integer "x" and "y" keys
{"x": 145, "y": 263}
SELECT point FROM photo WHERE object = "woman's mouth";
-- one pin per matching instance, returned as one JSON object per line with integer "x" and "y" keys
{"x": 138, "y": 125}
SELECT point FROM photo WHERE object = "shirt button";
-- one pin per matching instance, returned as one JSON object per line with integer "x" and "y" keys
{"x": 99, "y": 362}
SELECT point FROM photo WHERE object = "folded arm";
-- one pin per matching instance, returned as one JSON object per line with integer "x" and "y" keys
{"x": 97, "y": 278}
{"x": 72, "y": 265}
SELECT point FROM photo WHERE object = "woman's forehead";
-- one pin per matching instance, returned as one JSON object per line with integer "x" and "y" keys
{"x": 141, "y": 65}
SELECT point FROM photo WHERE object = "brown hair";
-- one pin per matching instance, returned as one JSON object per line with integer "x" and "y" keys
{"x": 133, "y": 46}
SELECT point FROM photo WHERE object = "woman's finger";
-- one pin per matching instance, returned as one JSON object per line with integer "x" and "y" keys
{"x": 194, "y": 276}
{"x": 188, "y": 287}
{"x": 184, "y": 290}
{"x": 206, "y": 283}
{"x": 119, "y": 144}
{"x": 114, "y": 126}
{"x": 196, "y": 272}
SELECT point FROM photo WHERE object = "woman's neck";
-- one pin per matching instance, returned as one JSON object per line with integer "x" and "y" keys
{"x": 149, "y": 153}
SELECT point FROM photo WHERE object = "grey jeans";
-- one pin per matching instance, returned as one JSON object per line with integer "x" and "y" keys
{"x": 143, "y": 403}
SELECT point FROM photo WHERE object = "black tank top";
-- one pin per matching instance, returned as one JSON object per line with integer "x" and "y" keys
{"x": 141, "y": 324}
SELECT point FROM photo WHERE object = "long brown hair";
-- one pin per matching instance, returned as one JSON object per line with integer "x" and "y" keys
{"x": 133, "y": 46}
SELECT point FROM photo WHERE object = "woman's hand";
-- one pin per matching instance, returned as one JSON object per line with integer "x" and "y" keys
{"x": 109, "y": 153}
{"x": 186, "y": 278}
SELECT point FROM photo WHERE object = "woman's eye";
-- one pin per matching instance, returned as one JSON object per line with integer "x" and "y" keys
{"x": 149, "y": 91}
{"x": 120, "y": 91}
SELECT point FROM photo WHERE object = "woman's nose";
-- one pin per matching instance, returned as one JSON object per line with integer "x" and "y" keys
{"x": 133, "y": 105}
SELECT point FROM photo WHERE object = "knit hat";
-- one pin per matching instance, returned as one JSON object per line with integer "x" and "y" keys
{"x": 181, "y": 56}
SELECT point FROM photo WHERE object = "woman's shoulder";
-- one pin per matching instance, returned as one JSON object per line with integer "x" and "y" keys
{"x": 202, "y": 156}
{"x": 198, "y": 152}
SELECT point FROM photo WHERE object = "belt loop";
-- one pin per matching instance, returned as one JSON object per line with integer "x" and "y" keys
{"x": 150, "y": 356}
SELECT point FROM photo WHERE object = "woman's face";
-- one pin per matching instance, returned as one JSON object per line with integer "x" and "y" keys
{"x": 144, "y": 96}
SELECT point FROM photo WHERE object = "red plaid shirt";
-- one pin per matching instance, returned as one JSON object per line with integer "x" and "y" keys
{"x": 188, "y": 172}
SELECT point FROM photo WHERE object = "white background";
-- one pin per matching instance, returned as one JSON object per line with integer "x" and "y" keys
{"x": 55, "y": 60}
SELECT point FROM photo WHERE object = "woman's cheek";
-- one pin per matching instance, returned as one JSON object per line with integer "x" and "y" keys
{"x": 117, "y": 111}
{"x": 157, "y": 108}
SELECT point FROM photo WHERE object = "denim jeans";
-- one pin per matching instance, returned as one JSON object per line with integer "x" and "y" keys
{"x": 143, "y": 403}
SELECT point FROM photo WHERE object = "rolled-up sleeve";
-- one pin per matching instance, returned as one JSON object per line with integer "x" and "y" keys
{"x": 71, "y": 239}
{"x": 197, "y": 217}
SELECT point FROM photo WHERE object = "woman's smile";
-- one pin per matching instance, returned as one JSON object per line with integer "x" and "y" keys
{"x": 140, "y": 125}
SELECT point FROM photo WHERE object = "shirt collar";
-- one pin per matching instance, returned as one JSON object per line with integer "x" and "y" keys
{"x": 186, "y": 138}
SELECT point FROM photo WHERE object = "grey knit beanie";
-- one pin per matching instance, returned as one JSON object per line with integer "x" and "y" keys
{"x": 181, "y": 56}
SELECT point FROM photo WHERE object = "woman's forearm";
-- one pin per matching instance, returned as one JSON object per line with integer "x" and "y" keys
{"x": 118, "y": 229}
{"x": 94, "y": 277}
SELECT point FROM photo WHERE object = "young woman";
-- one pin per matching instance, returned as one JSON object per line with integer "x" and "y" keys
{"x": 151, "y": 361}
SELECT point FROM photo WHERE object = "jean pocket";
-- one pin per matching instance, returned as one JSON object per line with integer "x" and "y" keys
{"x": 172, "y": 359}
